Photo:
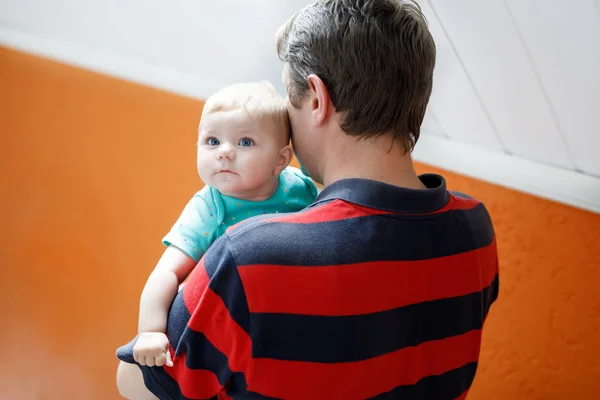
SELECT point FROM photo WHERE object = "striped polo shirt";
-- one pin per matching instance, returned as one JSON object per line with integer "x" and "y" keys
{"x": 372, "y": 292}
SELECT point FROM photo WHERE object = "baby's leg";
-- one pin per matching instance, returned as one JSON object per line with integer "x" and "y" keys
{"x": 131, "y": 383}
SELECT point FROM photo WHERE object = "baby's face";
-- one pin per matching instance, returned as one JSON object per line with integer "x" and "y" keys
{"x": 238, "y": 154}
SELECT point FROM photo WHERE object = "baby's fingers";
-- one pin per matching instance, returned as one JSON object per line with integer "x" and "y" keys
{"x": 169, "y": 362}
{"x": 164, "y": 359}
{"x": 149, "y": 361}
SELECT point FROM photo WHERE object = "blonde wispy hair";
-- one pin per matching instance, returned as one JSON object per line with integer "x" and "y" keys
{"x": 258, "y": 99}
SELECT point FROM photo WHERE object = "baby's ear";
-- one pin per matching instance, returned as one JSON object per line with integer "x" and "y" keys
{"x": 284, "y": 159}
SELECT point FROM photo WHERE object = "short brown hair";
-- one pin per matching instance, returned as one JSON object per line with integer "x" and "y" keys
{"x": 376, "y": 58}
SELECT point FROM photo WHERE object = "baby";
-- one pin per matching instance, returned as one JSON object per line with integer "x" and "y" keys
{"x": 243, "y": 157}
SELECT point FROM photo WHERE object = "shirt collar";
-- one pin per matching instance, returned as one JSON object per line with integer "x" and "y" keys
{"x": 382, "y": 196}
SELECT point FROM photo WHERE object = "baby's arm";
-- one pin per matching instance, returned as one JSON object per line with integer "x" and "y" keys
{"x": 152, "y": 346}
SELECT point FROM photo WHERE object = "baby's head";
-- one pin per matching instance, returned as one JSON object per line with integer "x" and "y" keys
{"x": 243, "y": 141}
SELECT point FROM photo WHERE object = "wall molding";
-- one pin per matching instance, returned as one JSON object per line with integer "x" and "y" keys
{"x": 561, "y": 185}
{"x": 546, "y": 181}
{"x": 109, "y": 63}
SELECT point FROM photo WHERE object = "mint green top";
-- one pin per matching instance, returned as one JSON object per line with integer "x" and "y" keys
{"x": 209, "y": 213}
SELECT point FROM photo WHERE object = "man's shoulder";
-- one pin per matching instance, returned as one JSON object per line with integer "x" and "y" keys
{"x": 276, "y": 236}
{"x": 462, "y": 195}
{"x": 460, "y": 201}
{"x": 255, "y": 227}
{"x": 472, "y": 212}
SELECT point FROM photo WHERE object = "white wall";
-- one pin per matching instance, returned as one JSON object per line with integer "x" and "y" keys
{"x": 218, "y": 42}
{"x": 517, "y": 81}
{"x": 534, "y": 68}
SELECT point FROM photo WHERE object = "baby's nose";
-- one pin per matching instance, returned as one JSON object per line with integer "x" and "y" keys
{"x": 226, "y": 152}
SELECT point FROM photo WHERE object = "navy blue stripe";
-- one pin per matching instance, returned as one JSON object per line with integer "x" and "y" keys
{"x": 199, "y": 351}
{"x": 327, "y": 339}
{"x": 177, "y": 320}
{"x": 248, "y": 396}
{"x": 125, "y": 352}
{"x": 481, "y": 225}
{"x": 364, "y": 239}
{"x": 461, "y": 195}
{"x": 491, "y": 295}
{"x": 447, "y": 386}
{"x": 253, "y": 222}
{"x": 161, "y": 384}
{"x": 201, "y": 354}
{"x": 165, "y": 387}
{"x": 225, "y": 281}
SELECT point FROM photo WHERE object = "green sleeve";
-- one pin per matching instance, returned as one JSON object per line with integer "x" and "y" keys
{"x": 197, "y": 226}
{"x": 309, "y": 186}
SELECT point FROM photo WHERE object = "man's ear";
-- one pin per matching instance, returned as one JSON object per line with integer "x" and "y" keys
{"x": 283, "y": 160}
{"x": 320, "y": 101}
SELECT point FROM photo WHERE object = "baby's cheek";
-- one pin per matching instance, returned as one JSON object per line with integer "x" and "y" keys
{"x": 251, "y": 166}
{"x": 204, "y": 173}
{"x": 263, "y": 172}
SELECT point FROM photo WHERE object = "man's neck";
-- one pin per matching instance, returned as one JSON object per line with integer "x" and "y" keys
{"x": 376, "y": 159}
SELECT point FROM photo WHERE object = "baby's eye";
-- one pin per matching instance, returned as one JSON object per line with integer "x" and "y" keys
{"x": 245, "y": 142}
{"x": 212, "y": 141}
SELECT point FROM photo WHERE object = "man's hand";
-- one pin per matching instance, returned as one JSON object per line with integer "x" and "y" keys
{"x": 152, "y": 349}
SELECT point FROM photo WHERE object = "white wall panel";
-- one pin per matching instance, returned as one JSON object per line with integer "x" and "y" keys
{"x": 227, "y": 40}
{"x": 490, "y": 48}
{"x": 454, "y": 101}
{"x": 563, "y": 39}
{"x": 431, "y": 125}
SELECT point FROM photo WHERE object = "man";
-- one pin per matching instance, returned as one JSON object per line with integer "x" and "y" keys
{"x": 381, "y": 287}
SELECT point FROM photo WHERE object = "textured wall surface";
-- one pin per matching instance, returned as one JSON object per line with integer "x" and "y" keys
{"x": 93, "y": 172}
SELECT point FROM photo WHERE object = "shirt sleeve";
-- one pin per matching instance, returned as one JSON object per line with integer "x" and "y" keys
{"x": 196, "y": 228}
{"x": 310, "y": 189}
{"x": 209, "y": 325}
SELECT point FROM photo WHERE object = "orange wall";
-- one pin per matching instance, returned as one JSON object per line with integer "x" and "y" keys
{"x": 93, "y": 171}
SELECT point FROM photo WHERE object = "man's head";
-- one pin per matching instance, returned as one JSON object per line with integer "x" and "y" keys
{"x": 243, "y": 141}
{"x": 373, "y": 58}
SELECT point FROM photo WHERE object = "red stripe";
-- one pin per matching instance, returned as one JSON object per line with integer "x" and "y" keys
{"x": 339, "y": 210}
{"x": 195, "y": 286}
{"x": 232, "y": 227}
{"x": 334, "y": 211}
{"x": 355, "y": 289}
{"x": 210, "y": 316}
{"x": 459, "y": 203}
{"x": 363, "y": 379}
{"x": 193, "y": 383}
{"x": 224, "y": 396}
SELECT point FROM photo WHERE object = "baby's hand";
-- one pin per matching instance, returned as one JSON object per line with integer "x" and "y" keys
{"x": 152, "y": 349}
